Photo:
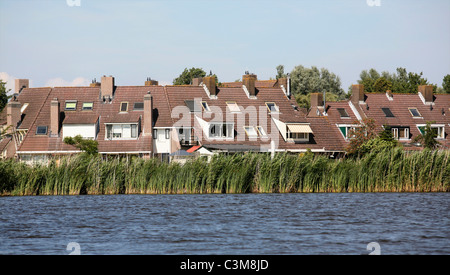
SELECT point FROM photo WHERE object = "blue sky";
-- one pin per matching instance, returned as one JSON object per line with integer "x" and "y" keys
{"x": 54, "y": 44}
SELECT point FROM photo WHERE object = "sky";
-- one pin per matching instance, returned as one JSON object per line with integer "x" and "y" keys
{"x": 70, "y": 42}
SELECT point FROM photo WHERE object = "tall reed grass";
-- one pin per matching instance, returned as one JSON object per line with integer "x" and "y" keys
{"x": 389, "y": 171}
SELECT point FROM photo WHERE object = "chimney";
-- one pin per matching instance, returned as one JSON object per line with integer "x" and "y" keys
{"x": 357, "y": 94}
{"x": 21, "y": 84}
{"x": 150, "y": 82}
{"x": 210, "y": 82}
{"x": 316, "y": 104}
{"x": 13, "y": 116}
{"x": 54, "y": 118}
{"x": 197, "y": 81}
{"x": 107, "y": 86}
{"x": 148, "y": 115}
{"x": 427, "y": 93}
{"x": 94, "y": 83}
{"x": 249, "y": 81}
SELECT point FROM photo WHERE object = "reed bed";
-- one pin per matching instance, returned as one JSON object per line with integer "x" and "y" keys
{"x": 392, "y": 170}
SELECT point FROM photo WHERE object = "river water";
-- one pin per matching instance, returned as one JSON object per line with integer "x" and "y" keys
{"x": 244, "y": 224}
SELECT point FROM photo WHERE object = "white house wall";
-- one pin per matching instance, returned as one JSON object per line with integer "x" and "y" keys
{"x": 85, "y": 130}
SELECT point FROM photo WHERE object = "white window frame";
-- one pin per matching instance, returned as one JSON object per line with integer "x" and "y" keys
{"x": 220, "y": 131}
{"x": 136, "y": 126}
{"x": 440, "y": 131}
{"x": 347, "y": 130}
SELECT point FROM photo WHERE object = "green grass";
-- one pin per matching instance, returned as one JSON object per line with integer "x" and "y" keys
{"x": 389, "y": 171}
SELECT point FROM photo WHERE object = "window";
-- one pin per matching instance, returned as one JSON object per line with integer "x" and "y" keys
{"x": 221, "y": 130}
{"x": 400, "y": 133}
{"x": 347, "y": 130}
{"x": 343, "y": 112}
{"x": 138, "y": 106}
{"x": 41, "y": 130}
{"x": 205, "y": 106}
{"x": 387, "y": 112}
{"x": 122, "y": 131}
{"x": 261, "y": 131}
{"x": 439, "y": 130}
{"x": 251, "y": 131}
{"x": 167, "y": 133}
{"x": 297, "y": 135}
{"x": 124, "y": 106}
{"x": 272, "y": 107}
{"x": 71, "y": 105}
{"x": 193, "y": 106}
{"x": 88, "y": 105}
{"x": 233, "y": 106}
{"x": 414, "y": 112}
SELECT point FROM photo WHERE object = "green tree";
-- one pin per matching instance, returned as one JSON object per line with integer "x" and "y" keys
{"x": 382, "y": 85}
{"x": 280, "y": 72}
{"x": 446, "y": 84}
{"x": 312, "y": 80}
{"x": 400, "y": 82}
{"x": 3, "y": 95}
{"x": 428, "y": 137}
{"x": 360, "y": 135}
{"x": 87, "y": 145}
{"x": 185, "y": 78}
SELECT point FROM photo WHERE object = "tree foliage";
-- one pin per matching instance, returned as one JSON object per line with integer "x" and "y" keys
{"x": 428, "y": 137}
{"x": 399, "y": 82}
{"x": 446, "y": 84}
{"x": 87, "y": 145}
{"x": 3, "y": 95}
{"x": 185, "y": 78}
{"x": 360, "y": 135}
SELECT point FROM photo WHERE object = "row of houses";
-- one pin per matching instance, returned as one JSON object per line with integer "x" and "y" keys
{"x": 203, "y": 118}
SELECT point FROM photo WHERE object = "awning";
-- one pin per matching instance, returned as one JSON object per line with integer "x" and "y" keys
{"x": 299, "y": 128}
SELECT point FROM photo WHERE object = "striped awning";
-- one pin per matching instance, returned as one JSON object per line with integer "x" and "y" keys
{"x": 299, "y": 128}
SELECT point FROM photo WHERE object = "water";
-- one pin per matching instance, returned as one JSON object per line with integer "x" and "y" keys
{"x": 401, "y": 223}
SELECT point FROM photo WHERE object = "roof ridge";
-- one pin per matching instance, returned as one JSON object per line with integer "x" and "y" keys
{"x": 168, "y": 103}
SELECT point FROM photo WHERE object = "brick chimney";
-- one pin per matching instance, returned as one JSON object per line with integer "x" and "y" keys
{"x": 210, "y": 82}
{"x": 148, "y": 115}
{"x": 249, "y": 81}
{"x": 150, "y": 82}
{"x": 427, "y": 93}
{"x": 357, "y": 94}
{"x": 107, "y": 86}
{"x": 316, "y": 104}
{"x": 21, "y": 84}
{"x": 13, "y": 116}
{"x": 54, "y": 118}
{"x": 197, "y": 81}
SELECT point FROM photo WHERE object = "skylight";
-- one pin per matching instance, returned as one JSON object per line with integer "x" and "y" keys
{"x": 138, "y": 106}
{"x": 41, "y": 130}
{"x": 233, "y": 106}
{"x": 387, "y": 112}
{"x": 343, "y": 112}
{"x": 414, "y": 112}
{"x": 124, "y": 106}
{"x": 88, "y": 105}
{"x": 71, "y": 105}
{"x": 272, "y": 107}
